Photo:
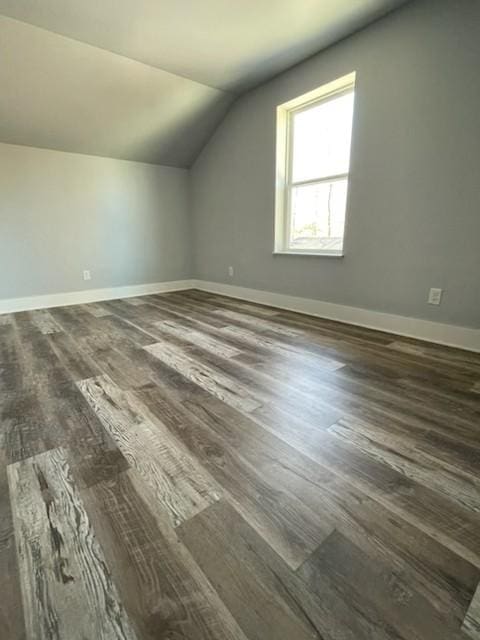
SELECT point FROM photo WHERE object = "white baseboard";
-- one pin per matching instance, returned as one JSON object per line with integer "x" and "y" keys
{"x": 13, "y": 305}
{"x": 446, "y": 334}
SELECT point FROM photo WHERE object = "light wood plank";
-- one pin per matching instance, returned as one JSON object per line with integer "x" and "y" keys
{"x": 258, "y": 323}
{"x": 180, "y": 485}
{"x": 67, "y": 588}
{"x": 220, "y": 385}
{"x": 202, "y": 340}
{"x": 235, "y": 303}
{"x": 96, "y": 310}
{"x": 44, "y": 321}
{"x": 287, "y": 352}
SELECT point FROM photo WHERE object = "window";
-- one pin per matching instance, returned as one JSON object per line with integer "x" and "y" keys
{"x": 313, "y": 157}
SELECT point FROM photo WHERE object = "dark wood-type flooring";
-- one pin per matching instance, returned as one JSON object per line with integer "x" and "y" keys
{"x": 189, "y": 466}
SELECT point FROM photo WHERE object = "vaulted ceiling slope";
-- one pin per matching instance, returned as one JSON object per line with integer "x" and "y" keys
{"x": 149, "y": 80}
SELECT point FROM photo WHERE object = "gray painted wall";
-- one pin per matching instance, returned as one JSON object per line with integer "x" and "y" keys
{"x": 61, "y": 213}
{"x": 414, "y": 207}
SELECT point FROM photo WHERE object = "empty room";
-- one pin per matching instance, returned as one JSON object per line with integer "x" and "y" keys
{"x": 240, "y": 320}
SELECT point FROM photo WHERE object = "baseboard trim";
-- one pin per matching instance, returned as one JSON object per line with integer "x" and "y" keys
{"x": 445, "y": 334}
{"x": 12, "y": 305}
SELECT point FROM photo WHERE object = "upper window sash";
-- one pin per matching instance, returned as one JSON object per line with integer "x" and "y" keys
{"x": 344, "y": 90}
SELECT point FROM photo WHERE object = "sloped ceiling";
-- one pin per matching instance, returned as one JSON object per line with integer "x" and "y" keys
{"x": 149, "y": 80}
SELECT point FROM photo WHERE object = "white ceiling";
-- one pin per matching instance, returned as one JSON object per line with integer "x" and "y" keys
{"x": 159, "y": 76}
{"x": 61, "y": 94}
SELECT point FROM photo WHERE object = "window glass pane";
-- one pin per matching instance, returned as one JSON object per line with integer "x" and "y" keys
{"x": 318, "y": 216}
{"x": 321, "y": 139}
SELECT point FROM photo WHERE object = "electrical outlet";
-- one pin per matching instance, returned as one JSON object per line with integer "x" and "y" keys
{"x": 230, "y": 271}
{"x": 435, "y": 296}
{"x": 87, "y": 275}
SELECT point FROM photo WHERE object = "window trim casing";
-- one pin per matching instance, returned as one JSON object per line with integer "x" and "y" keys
{"x": 284, "y": 165}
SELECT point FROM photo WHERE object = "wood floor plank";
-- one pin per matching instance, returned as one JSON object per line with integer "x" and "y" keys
{"x": 263, "y": 594}
{"x": 12, "y": 623}
{"x": 434, "y": 352}
{"x": 71, "y": 423}
{"x": 135, "y": 302}
{"x": 212, "y": 381}
{"x": 291, "y": 528}
{"x": 184, "y": 309}
{"x": 179, "y": 483}
{"x": 67, "y": 589}
{"x": 77, "y": 362}
{"x": 445, "y": 450}
{"x": 97, "y": 310}
{"x": 241, "y": 573}
{"x": 116, "y": 364}
{"x": 376, "y": 590}
{"x": 471, "y": 624}
{"x": 73, "y": 320}
{"x": 412, "y": 463}
{"x": 285, "y": 350}
{"x": 324, "y": 476}
{"x": 44, "y": 322}
{"x": 257, "y": 323}
{"x": 23, "y": 428}
{"x": 12, "y": 373}
{"x": 356, "y": 345}
{"x": 137, "y": 322}
{"x": 268, "y": 312}
{"x": 118, "y": 330}
{"x": 432, "y": 518}
{"x": 439, "y": 517}
{"x": 38, "y": 363}
{"x": 9, "y": 344}
{"x": 203, "y": 340}
{"x": 356, "y": 397}
{"x": 162, "y": 588}
{"x": 265, "y": 388}
{"x": 444, "y": 579}
{"x": 412, "y": 399}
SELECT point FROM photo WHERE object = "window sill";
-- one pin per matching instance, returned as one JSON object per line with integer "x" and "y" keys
{"x": 321, "y": 254}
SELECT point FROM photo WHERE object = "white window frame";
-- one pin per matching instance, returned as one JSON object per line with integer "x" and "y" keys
{"x": 284, "y": 182}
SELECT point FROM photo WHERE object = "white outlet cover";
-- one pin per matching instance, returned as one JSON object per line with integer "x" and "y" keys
{"x": 86, "y": 275}
{"x": 435, "y": 296}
